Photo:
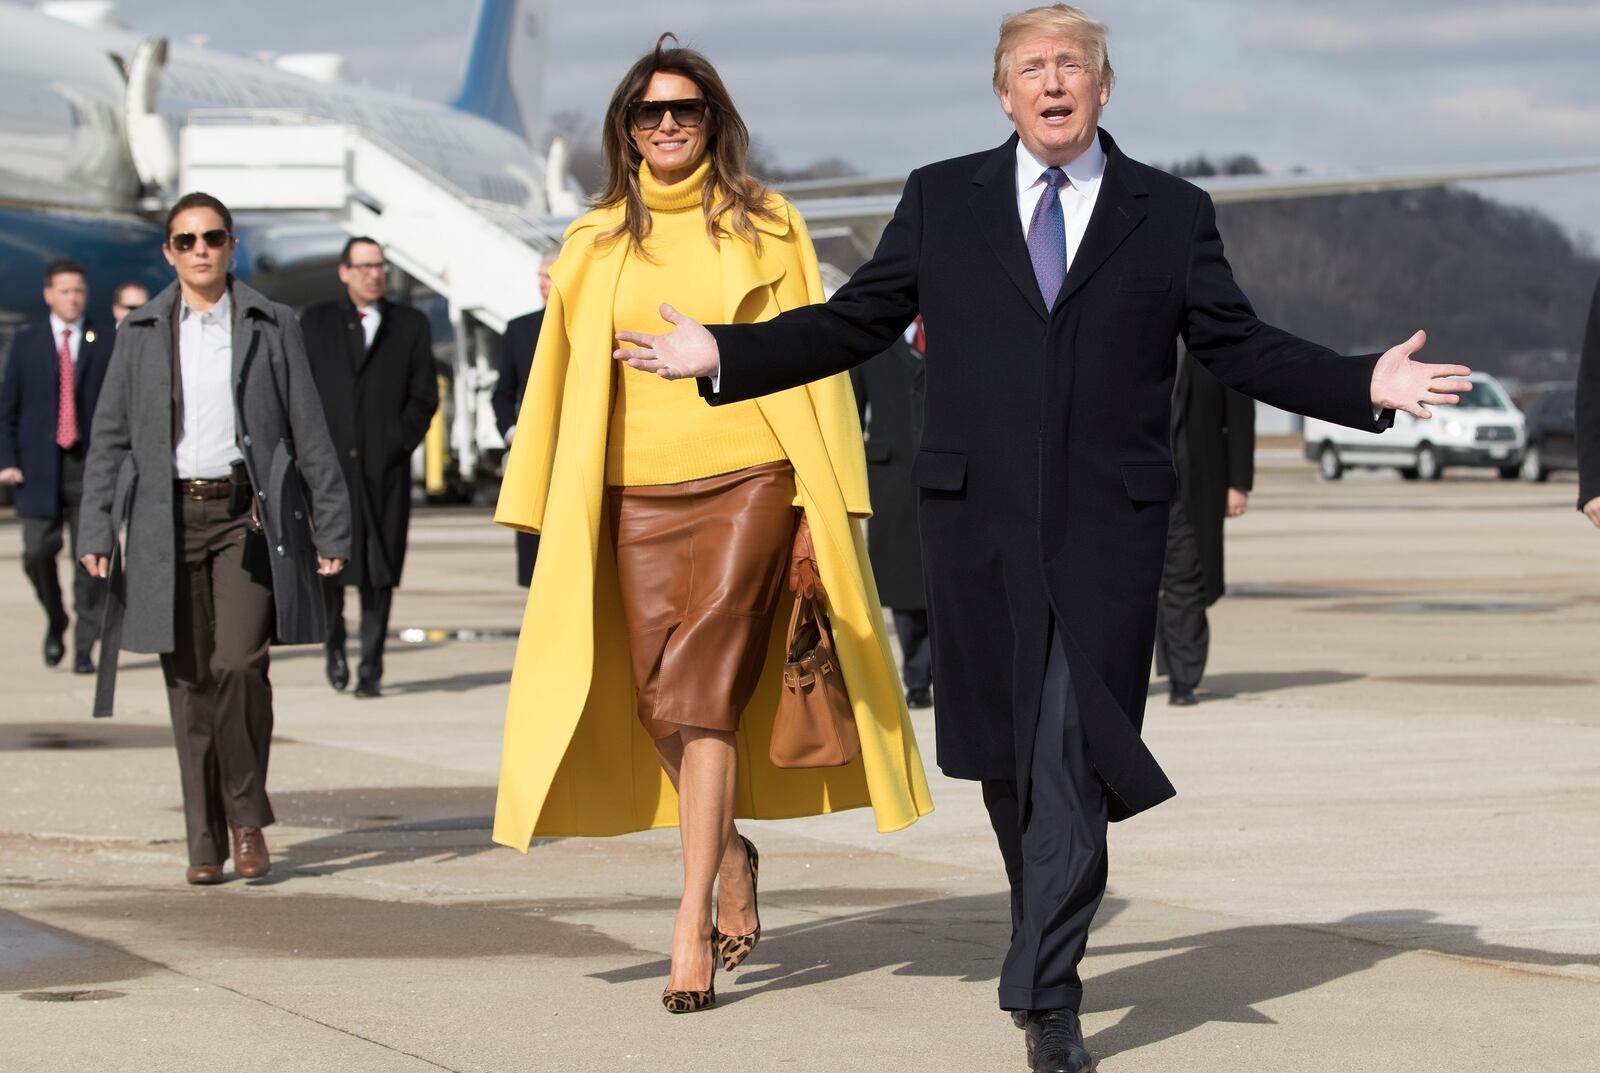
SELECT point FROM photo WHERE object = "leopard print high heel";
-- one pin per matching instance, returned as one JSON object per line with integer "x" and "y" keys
{"x": 733, "y": 949}
{"x": 694, "y": 1001}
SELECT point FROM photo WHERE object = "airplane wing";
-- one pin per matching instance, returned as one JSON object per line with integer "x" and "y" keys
{"x": 857, "y": 208}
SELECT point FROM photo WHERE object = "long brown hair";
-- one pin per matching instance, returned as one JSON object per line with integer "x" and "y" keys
{"x": 730, "y": 191}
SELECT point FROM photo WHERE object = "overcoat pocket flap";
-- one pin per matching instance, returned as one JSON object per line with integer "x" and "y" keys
{"x": 878, "y": 450}
{"x": 1144, "y": 283}
{"x": 1151, "y": 482}
{"x": 942, "y": 471}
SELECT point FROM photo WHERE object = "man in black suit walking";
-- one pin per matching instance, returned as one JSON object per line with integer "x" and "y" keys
{"x": 1054, "y": 273}
{"x": 516, "y": 363}
{"x": 372, "y": 360}
{"x": 1214, "y": 448}
{"x": 47, "y": 401}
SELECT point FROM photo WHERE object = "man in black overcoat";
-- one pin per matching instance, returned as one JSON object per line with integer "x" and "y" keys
{"x": 516, "y": 363}
{"x": 373, "y": 363}
{"x": 44, "y": 439}
{"x": 889, "y": 392}
{"x": 1589, "y": 416}
{"x": 1214, "y": 450}
{"x": 1054, "y": 273}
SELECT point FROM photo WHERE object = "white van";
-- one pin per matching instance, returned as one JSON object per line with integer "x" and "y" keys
{"x": 1483, "y": 429}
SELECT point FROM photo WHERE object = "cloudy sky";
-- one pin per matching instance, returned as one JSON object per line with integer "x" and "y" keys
{"x": 889, "y": 84}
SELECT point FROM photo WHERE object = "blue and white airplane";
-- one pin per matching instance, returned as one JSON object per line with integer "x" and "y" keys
{"x": 89, "y": 113}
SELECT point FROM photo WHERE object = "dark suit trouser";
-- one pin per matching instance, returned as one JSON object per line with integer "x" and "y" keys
{"x": 1183, "y": 636}
{"x": 375, "y": 606}
{"x": 217, "y": 689}
{"x": 527, "y": 555}
{"x": 916, "y": 653}
{"x": 42, "y": 541}
{"x": 1055, "y": 857}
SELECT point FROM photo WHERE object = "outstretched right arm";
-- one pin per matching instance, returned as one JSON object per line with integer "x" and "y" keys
{"x": 805, "y": 344}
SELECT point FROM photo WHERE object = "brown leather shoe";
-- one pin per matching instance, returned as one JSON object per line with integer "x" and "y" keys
{"x": 203, "y": 875}
{"x": 250, "y": 858}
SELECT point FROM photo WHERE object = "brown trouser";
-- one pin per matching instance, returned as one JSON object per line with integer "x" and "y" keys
{"x": 217, "y": 689}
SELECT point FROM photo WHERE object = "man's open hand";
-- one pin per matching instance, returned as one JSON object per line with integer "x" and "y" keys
{"x": 689, "y": 351}
{"x": 10, "y": 475}
{"x": 1398, "y": 383}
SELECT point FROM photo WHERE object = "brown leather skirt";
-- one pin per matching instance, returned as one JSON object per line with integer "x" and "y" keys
{"x": 701, "y": 565}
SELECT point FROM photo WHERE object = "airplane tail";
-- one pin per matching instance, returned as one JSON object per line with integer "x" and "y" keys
{"x": 505, "y": 72}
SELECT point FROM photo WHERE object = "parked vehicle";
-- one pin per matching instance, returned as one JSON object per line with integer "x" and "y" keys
{"x": 1483, "y": 429}
{"x": 1552, "y": 416}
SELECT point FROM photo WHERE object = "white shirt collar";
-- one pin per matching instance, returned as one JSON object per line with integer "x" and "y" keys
{"x": 1085, "y": 170}
{"x": 57, "y": 326}
{"x": 221, "y": 312}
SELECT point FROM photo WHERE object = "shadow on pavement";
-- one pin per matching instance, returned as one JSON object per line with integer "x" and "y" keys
{"x": 959, "y": 938}
{"x": 34, "y": 955}
{"x": 1223, "y": 975}
{"x": 1240, "y": 683}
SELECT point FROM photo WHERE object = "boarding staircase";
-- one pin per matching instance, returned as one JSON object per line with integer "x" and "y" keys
{"x": 480, "y": 256}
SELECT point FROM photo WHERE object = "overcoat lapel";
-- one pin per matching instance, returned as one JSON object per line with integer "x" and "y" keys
{"x": 355, "y": 337}
{"x": 994, "y": 203}
{"x": 1117, "y": 211}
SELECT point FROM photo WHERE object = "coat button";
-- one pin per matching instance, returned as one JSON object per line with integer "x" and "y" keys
{"x": 261, "y": 495}
{"x": 280, "y": 549}
{"x": 247, "y": 441}
{"x": 298, "y": 515}
{"x": 354, "y": 453}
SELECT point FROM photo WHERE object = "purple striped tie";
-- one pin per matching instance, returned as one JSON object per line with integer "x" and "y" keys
{"x": 1047, "y": 237}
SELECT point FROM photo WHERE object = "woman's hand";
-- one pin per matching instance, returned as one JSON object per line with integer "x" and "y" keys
{"x": 98, "y": 565}
{"x": 328, "y": 567}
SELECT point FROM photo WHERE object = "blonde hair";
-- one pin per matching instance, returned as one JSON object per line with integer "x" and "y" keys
{"x": 1057, "y": 19}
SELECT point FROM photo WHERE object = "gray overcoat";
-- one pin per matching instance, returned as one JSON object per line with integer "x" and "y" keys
{"x": 282, "y": 435}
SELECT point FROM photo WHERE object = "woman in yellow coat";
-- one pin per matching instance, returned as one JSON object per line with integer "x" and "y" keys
{"x": 650, "y": 659}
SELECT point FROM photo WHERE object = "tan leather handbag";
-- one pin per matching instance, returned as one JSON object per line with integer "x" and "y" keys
{"x": 815, "y": 725}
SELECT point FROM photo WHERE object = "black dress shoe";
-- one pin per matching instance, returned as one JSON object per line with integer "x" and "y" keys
{"x": 82, "y": 664}
{"x": 1055, "y": 1043}
{"x": 919, "y": 698}
{"x": 338, "y": 670}
{"x": 1182, "y": 697}
{"x": 368, "y": 687}
{"x": 54, "y": 647}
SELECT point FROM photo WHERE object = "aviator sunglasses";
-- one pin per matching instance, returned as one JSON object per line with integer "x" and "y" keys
{"x": 184, "y": 241}
{"x": 689, "y": 112}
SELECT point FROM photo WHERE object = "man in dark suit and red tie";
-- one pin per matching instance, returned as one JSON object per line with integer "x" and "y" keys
{"x": 47, "y": 401}
{"x": 516, "y": 365}
{"x": 1054, "y": 274}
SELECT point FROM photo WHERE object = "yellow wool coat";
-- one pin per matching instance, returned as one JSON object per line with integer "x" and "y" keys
{"x": 575, "y": 759}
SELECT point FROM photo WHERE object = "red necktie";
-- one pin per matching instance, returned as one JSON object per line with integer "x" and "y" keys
{"x": 919, "y": 338}
{"x": 67, "y": 411}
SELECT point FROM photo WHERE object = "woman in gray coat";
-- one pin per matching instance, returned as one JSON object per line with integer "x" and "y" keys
{"x": 209, "y": 443}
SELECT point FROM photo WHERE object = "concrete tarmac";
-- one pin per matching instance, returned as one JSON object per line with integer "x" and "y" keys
{"x": 1384, "y": 855}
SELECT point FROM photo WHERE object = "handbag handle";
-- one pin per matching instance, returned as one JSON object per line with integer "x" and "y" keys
{"x": 805, "y": 580}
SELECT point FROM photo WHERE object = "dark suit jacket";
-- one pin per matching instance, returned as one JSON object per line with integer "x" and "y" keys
{"x": 1589, "y": 408}
{"x": 378, "y": 403}
{"x": 516, "y": 362}
{"x": 889, "y": 398}
{"x": 29, "y": 403}
{"x": 1045, "y": 467}
{"x": 1214, "y": 444}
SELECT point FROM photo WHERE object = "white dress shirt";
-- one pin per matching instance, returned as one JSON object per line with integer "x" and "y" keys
{"x": 57, "y": 326}
{"x": 1077, "y": 197}
{"x": 371, "y": 316}
{"x": 207, "y": 444}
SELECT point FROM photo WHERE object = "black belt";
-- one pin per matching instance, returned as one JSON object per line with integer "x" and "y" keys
{"x": 219, "y": 488}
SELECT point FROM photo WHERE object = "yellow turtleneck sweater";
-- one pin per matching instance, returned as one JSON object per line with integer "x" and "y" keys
{"x": 662, "y": 432}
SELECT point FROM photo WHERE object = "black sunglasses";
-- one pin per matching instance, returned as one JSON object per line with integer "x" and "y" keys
{"x": 689, "y": 112}
{"x": 184, "y": 241}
